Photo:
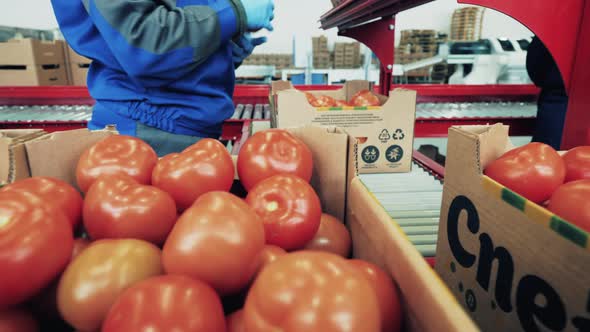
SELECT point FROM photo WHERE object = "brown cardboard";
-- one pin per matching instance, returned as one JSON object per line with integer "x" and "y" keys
{"x": 31, "y": 52}
{"x": 73, "y": 57}
{"x": 513, "y": 252}
{"x": 382, "y": 129}
{"x": 427, "y": 302}
{"x": 31, "y": 75}
{"x": 56, "y": 154}
{"x": 78, "y": 73}
{"x": 13, "y": 157}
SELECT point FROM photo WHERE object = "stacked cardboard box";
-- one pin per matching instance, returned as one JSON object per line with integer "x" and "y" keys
{"x": 416, "y": 45}
{"x": 280, "y": 61}
{"x": 30, "y": 62}
{"x": 467, "y": 23}
{"x": 77, "y": 67}
{"x": 321, "y": 54}
{"x": 347, "y": 55}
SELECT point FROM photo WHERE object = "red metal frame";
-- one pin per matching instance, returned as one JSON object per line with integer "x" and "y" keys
{"x": 372, "y": 34}
{"x": 430, "y": 165}
{"x": 568, "y": 42}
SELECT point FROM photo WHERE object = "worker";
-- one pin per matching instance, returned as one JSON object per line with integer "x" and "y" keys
{"x": 553, "y": 99}
{"x": 163, "y": 70}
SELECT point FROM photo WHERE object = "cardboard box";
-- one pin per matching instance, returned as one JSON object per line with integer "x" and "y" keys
{"x": 428, "y": 304}
{"x": 30, "y": 62}
{"x": 78, "y": 73}
{"x": 510, "y": 262}
{"x": 385, "y": 133}
{"x": 13, "y": 158}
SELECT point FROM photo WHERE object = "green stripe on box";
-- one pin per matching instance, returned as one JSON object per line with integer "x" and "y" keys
{"x": 513, "y": 199}
{"x": 569, "y": 231}
{"x": 363, "y": 108}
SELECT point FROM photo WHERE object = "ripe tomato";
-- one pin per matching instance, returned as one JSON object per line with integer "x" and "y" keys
{"x": 534, "y": 171}
{"x": 311, "y": 291}
{"x": 273, "y": 152}
{"x": 117, "y": 206}
{"x": 332, "y": 236}
{"x": 203, "y": 167}
{"x": 387, "y": 295}
{"x": 235, "y": 322}
{"x": 99, "y": 274}
{"x": 217, "y": 240}
{"x": 324, "y": 101}
{"x": 35, "y": 246}
{"x": 577, "y": 163}
{"x": 116, "y": 154}
{"x": 268, "y": 255}
{"x": 167, "y": 303}
{"x": 289, "y": 208}
{"x": 54, "y": 192}
{"x": 365, "y": 98}
{"x": 17, "y": 320}
{"x": 571, "y": 201}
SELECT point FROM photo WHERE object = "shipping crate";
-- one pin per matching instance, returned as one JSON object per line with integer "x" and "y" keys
{"x": 30, "y": 62}
{"x": 466, "y": 24}
{"x": 427, "y": 303}
{"x": 391, "y": 153}
{"x": 511, "y": 263}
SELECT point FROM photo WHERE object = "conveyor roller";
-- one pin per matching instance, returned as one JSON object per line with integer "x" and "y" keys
{"x": 413, "y": 200}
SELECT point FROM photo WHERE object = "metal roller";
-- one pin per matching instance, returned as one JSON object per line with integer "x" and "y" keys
{"x": 258, "y": 112}
{"x": 248, "y": 112}
{"x": 238, "y": 112}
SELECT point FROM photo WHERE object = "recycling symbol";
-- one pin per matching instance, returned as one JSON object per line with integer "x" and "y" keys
{"x": 399, "y": 135}
{"x": 384, "y": 136}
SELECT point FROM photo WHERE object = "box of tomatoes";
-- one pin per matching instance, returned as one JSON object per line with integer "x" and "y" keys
{"x": 383, "y": 126}
{"x": 179, "y": 230}
{"x": 513, "y": 243}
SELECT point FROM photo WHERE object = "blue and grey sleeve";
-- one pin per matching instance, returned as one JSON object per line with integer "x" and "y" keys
{"x": 157, "y": 39}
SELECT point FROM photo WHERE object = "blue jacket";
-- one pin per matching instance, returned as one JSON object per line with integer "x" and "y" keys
{"x": 165, "y": 63}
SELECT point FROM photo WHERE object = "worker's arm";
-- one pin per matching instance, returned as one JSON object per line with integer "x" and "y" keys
{"x": 156, "y": 39}
{"x": 243, "y": 46}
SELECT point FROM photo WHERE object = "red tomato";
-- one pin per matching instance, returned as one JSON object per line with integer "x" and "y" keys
{"x": 577, "y": 163}
{"x": 203, "y": 167}
{"x": 167, "y": 303}
{"x": 571, "y": 201}
{"x": 17, "y": 320}
{"x": 387, "y": 295}
{"x": 235, "y": 322}
{"x": 534, "y": 171}
{"x": 332, "y": 236}
{"x": 53, "y": 192}
{"x": 273, "y": 152}
{"x": 217, "y": 240}
{"x": 117, "y": 206}
{"x": 311, "y": 291}
{"x": 365, "y": 98}
{"x": 116, "y": 154}
{"x": 268, "y": 255}
{"x": 98, "y": 275}
{"x": 324, "y": 101}
{"x": 35, "y": 246}
{"x": 289, "y": 208}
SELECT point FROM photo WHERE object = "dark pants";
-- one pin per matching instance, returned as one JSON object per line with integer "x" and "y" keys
{"x": 552, "y": 107}
{"x": 164, "y": 142}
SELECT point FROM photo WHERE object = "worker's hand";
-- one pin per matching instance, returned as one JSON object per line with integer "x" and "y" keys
{"x": 243, "y": 47}
{"x": 259, "y": 14}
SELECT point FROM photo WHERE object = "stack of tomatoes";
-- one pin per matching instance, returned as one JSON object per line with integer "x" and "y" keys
{"x": 164, "y": 246}
{"x": 362, "y": 98}
{"x": 540, "y": 174}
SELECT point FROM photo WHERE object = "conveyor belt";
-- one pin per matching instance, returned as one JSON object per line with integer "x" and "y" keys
{"x": 413, "y": 200}
{"x": 424, "y": 111}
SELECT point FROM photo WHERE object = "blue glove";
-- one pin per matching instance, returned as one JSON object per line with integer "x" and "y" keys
{"x": 243, "y": 47}
{"x": 259, "y": 14}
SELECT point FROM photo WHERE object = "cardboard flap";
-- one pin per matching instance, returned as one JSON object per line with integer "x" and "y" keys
{"x": 57, "y": 154}
{"x": 278, "y": 86}
{"x": 13, "y": 158}
{"x": 330, "y": 158}
{"x": 377, "y": 239}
